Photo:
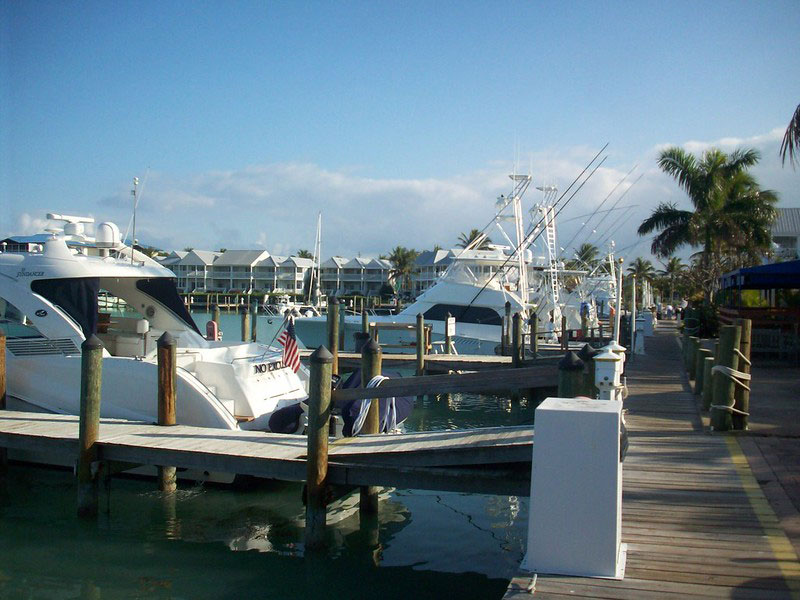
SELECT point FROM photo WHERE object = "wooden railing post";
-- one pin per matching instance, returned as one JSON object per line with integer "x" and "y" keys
{"x": 319, "y": 400}
{"x": 167, "y": 382}
{"x": 724, "y": 387}
{"x": 420, "y": 345}
{"x": 89, "y": 425}
{"x": 333, "y": 333}
{"x": 742, "y": 394}
{"x": 570, "y": 376}
{"x": 3, "y": 451}
{"x": 371, "y": 359}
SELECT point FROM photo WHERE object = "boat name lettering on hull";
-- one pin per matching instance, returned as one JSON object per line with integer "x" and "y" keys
{"x": 30, "y": 274}
{"x": 267, "y": 367}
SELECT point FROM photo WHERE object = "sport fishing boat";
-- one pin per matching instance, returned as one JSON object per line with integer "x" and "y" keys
{"x": 481, "y": 279}
{"x": 72, "y": 286}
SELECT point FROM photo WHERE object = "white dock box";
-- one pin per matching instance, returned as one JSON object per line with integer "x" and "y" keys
{"x": 575, "y": 520}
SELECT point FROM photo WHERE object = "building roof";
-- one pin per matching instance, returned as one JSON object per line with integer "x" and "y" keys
{"x": 429, "y": 258}
{"x": 199, "y": 257}
{"x": 238, "y": 258}
{"x": 39, "y": 238}
{"x": 787, "y": 223}
{"x": 766, "y": 277}
{"x": 298, "y": 262}
{"x": 334, "y": 261}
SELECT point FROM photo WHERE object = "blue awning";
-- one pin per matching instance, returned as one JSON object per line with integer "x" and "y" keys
{"x": 784, "y": 275}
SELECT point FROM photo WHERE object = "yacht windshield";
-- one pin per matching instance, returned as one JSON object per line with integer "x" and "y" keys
{"x": 164, "y": 292}
{"x": 77, "y": 296}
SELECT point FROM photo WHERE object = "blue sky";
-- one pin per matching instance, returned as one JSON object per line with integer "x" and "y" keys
{"x": 399, "y": 121}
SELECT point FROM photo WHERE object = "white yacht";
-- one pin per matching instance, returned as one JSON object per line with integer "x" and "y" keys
{"x": 73, "y": 286}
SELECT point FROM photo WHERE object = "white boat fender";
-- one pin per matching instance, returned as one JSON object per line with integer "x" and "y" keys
{"x": 389, "y": 423}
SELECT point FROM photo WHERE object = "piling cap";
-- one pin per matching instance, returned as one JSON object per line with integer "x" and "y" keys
{"x": 166, "y": 340}
{"x": 615, "y": 347}
{"x": 607, "y": 355}
{"x": 570, "y": 362}
{"x": 371, "y": 347}
{"x": 321, "y": 355}
{"x": 588, "y": 352}
{"x": 91, "y": 343}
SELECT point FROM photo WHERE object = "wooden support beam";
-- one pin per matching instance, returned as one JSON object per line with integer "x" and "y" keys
{"x": 542, "y": 376}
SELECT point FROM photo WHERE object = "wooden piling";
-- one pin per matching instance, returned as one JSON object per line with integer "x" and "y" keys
{"x": 564, "y": 334}
{"x": 708, "y": 385}
{"x": 215, "y": 313}
{"x": 364, "y": 321}
{"x": 587, "y": 354}
{"x": 507, "y": 329}
{"x": 319, "y": 400}
{"x": 371, "y": 358}
{"x": 699, "y": 369}
{"x": 3, "y": 451}
{"x": 517, "y": 349}
{"x": 333, "y": 333}
{"x": 694, "y": 345}
{"x": 167, "y": 384}
{"x": 570, "y": 376}
{"x": 420, "y": 344}
{"x": 742, "y": 395}
{"x": 448, "y": 342}
{"x": 89, "y": 425}
{"x": 246, "y": 333}
{"x": 602, "y": 338}
{"x": 253, "y": 321}
{"x": 534, "y": 327}
{"x": 723, "y": 385}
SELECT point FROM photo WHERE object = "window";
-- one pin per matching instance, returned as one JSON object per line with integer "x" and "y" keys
{"x": 480, "y": 315}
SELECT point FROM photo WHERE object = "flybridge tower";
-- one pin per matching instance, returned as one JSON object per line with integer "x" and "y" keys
{"x": 514, "y": 199}
{"x": 547, "y": 210}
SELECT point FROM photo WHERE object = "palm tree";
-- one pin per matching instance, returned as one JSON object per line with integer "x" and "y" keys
{"x": 731, "y": 213}
{"x": 303, "y": 253}
{"x": 643, "y": 269}
{"x": 791, "y": 139}
{"x": 403, "y": 266}
{"x": 671, "y": 272}
{"x": 465, "y": 239}
{"x": 587, "y": 255}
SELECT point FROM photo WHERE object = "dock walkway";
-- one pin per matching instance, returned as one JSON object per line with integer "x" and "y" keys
{"x": 461, "y": 461}
{"x": 695, "y": 519}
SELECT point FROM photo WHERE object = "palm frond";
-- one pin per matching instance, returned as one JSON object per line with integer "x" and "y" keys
{"x": 791, "y": 139}
{"x": 666, "y": 214}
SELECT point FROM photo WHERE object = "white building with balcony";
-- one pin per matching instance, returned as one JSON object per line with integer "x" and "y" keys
{"x": 786, "y": 233}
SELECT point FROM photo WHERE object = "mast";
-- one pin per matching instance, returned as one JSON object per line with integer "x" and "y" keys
{"x": 133, "y": 234}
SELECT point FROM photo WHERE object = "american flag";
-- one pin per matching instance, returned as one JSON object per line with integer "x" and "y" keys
{"x": 287, "y": 339}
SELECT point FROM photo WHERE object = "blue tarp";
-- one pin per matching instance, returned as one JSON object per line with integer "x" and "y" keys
{"x": 784, "y": 275}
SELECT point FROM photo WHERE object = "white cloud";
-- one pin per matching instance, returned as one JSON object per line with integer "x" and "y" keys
{"x": 28, "y": 225}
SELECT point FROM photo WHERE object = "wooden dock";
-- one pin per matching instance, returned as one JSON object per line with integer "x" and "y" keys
{"x": 695, "y": 519}
{"x": 443, "y": 363}
{"x": 491, "y": 460}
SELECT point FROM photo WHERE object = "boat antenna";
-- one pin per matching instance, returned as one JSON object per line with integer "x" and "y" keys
{"x": 599, "y": 206}
{"x": 620, "y": 199}
{"x": 534, "y": 228}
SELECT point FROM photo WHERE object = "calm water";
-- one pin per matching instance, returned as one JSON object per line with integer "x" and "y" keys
{"x": 207, "y": 542}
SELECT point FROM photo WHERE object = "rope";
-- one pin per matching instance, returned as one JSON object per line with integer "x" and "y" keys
{"x": 733, "y": 374}
{"x": 730, "y": 409}
{"x": 743, "y": 357}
